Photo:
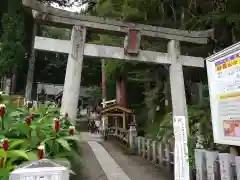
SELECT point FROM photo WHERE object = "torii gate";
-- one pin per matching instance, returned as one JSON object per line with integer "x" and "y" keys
{"x": 77, "y": 49}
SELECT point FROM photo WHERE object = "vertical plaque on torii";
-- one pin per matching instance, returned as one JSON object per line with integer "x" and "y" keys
{"x": 78, "y": 36}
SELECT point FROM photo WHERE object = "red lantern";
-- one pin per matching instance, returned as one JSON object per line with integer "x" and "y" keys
{"x": 5, "y": 144}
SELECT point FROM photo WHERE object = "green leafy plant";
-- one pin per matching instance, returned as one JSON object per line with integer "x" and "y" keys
{"x": 25, "y": 131}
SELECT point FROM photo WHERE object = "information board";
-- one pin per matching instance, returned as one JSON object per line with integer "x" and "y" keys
{"x": 181, "y": 162}
{"x": 223, "y": 71}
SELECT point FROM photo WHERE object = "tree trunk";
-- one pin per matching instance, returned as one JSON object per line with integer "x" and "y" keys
{"x": 104, "y": 87}
{"x": 121, "y": 97}
{"x": 2, "y": 83}
{"x": 8, "y": 83}
{"x": 31, "y": 67}
{"x": 147, "y": 88}
{"x": 167, "y": 93}
{"x": 14, "y": 81}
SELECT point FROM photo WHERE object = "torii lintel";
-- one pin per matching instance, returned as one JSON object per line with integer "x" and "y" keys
{"x": 48, "y": 14}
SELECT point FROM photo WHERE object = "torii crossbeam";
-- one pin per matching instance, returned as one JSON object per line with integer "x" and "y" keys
{"x": 58, "y": 17}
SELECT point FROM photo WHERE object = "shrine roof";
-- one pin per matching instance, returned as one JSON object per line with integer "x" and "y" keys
{"x": 116, "y": 107}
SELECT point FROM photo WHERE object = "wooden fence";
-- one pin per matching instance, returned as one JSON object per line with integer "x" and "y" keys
{"x": 209, "y": 165}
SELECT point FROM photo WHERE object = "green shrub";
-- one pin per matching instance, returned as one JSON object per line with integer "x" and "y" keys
{"x": 25, "y": 131}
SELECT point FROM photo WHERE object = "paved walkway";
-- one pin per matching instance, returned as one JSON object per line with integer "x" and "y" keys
{"x": 104, "y": 160}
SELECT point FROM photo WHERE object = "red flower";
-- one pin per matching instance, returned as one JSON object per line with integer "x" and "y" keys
{"x": 2, "y": 110}
{"x": 71, "y": 130}
{"x": 28, "y": 121}
{"x": 56, "y": 125}
{"x": 5, "y": 144}
{"x": 40, "y": 151}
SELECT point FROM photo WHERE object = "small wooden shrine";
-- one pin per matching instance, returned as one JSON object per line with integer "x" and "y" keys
{"x": 118, "y": 116}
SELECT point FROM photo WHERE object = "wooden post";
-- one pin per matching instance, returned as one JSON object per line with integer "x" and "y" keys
{"x": 124, "y": 121}
{"x": 116, "y": 125}
{"x": 73, "y": 73}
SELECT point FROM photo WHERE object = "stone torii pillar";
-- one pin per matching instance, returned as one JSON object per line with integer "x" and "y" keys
{"x": 72, "y": 82}
{"x": 179, "y": 104}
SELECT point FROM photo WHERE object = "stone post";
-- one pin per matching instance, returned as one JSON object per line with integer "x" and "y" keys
{"x": 31, "y": 67}
{"x": 160, "y": 153}
{"x": 149, "y": 149}
{"x": 237, "y": 162}
{"x": 132, "y": 138}
{"x": 179, "y": 105}
{"x": 139, "y": 145}
{"x": 211, "y": 161}
{"x": 226, "y": 161}
{"x": 167, "y": 155}
{"x": 200, "y": 162}
{"x": 154, "y": 152}
{"x": 73, "y": 73}
{"x": 143, "y": 147}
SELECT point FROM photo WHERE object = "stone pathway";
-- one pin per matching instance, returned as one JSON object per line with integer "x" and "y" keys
{"x": 90, "y": 169}
{"x": 106, "y": 161}
{"x": 112, "y": 170}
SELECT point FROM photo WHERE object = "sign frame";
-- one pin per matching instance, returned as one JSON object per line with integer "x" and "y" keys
{"x": 223, "y": 83}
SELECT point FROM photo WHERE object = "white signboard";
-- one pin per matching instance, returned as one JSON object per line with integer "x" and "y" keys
{"x": 181, "y": 162}
{"x": 224, "y": 88}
